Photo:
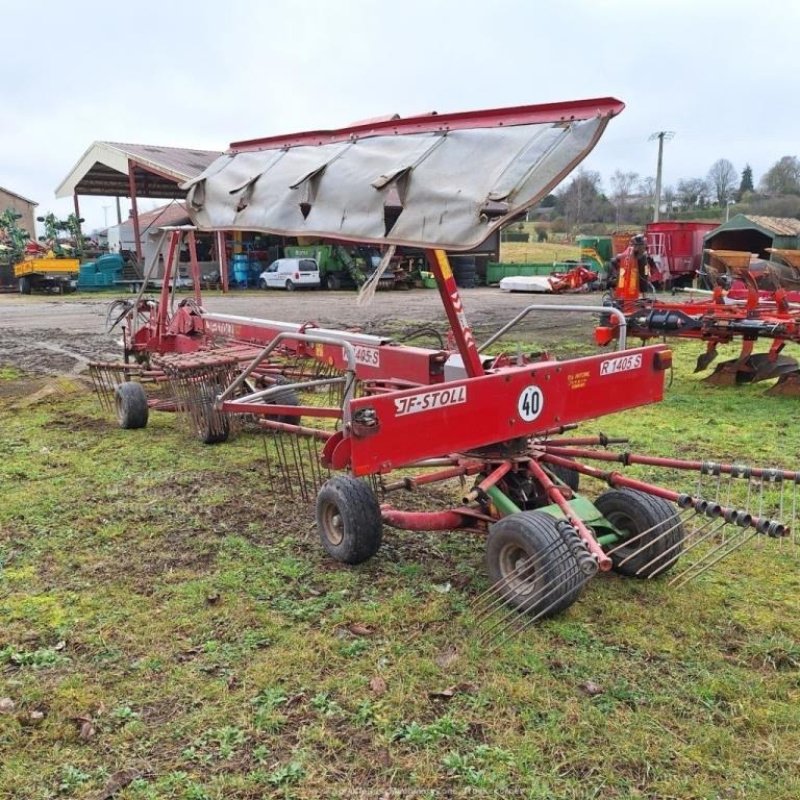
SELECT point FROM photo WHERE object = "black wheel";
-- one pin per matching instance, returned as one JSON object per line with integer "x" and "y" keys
{"x": 262, "y": 284}
{"x": 633, "y": 513}
{"x": 131, "y": 405}
{"x": 527, "y": 553}
{"x": 213, "y": 427}
{"x": 332, "y": 282}
{"x": 289, "y": 397}
{"x": 289, "y": 286}
{"x": 570, "y": 477}
{"x": 25, "y": 285}
{"x": 349, "y": 520}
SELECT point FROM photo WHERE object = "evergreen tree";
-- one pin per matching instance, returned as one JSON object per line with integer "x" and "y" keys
{"x": 746, "y": 184}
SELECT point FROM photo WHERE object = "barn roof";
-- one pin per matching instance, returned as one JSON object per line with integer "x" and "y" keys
{"x": 103, "y": 170}
{"x": 770, "y": 226}
{"x": 18, "y": 196}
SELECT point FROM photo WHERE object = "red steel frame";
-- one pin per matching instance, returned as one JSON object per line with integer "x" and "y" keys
{"x": 425, "y": 123}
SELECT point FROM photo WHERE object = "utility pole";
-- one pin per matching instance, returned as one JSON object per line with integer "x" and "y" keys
{"x": 660, "y": 135}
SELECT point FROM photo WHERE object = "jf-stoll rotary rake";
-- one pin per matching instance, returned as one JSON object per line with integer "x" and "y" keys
{"x": 357, "y": 420}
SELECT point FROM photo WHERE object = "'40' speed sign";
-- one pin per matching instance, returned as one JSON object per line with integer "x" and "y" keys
{"x": 530, "y": 403}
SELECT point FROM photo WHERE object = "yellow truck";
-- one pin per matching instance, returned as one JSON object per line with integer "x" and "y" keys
{"x": 48, "y": 274}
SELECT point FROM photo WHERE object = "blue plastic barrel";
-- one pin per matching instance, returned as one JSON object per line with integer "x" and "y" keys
{"x": 241, "y": 268}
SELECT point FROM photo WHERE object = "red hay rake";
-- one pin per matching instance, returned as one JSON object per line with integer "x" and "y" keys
{"x": 354, "y": 420}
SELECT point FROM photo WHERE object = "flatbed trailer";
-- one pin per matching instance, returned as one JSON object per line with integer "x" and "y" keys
{"x": 59, "y": 275}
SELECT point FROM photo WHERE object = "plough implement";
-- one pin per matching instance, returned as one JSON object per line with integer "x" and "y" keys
{"x": 747, "y": 312}
{"x": 354, "y": 420}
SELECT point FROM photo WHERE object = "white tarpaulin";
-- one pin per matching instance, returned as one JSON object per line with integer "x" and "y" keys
{"x": 445, "y": 189}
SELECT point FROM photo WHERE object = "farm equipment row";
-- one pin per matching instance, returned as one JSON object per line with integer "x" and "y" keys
{"x": 747, "y": 313}
{"x": 352, "y": 418}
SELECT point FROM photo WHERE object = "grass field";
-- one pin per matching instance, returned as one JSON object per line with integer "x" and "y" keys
{"x": 172, "y": 629}
{"x": 537, "y": 252}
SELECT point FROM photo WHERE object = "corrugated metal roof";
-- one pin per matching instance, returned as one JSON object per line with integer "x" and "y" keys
{"x": 103, "y": 170}
{"x": 780, "y": 226}
{"x": 172, "y": 214}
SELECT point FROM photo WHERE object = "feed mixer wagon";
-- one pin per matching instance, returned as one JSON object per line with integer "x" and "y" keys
{"x": 358, "y": 421}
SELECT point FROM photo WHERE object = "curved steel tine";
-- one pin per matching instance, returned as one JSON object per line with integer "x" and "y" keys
{"x": 650, "y": 543}
{"x": 544, "y": 592}
{"x": 691, "y": 547}
{"x": 527, "y": 622}
{"x": 730, "y": 546}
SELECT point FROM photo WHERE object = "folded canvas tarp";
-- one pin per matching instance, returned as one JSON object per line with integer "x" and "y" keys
{"x": 441, "y": 181}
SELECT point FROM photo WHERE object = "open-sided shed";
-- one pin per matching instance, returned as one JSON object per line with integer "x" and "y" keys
{"x": 755, "y": 234}
{"x": 114, "y": 169}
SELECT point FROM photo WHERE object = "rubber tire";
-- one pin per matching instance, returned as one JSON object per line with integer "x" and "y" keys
{"x": 333, "y": 282}
{"x": 570, "y": 477}
{"x": 25, "y": 285}
{"x": 287, "y": 398}
{"x": 131, "y": 405}
{"x": 349, "y": 507}
{"x": 262, "y": 284}
{"x": 635, "y": 512}
{"x": 289, "y": 286}
{"x": 218, "y": 433}
{"x": 534, "y": 532}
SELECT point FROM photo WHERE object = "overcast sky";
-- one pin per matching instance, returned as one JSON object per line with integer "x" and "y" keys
{"x": 721, "y": 74}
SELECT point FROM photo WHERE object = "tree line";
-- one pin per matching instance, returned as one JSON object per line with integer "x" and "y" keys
{"x": 584, "y": 203}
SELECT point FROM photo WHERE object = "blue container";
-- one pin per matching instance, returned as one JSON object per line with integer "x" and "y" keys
{"x": 241, "y": 268}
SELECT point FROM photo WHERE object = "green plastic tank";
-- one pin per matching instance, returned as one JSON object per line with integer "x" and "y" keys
{"x": 595, "y": 250}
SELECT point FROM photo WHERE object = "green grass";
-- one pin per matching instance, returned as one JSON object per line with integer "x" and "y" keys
{"x": 171, "y": 624}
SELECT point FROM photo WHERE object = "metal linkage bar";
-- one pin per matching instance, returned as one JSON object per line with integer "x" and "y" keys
{"x": 622, "y": 337}
{"x": 310, "y": 338}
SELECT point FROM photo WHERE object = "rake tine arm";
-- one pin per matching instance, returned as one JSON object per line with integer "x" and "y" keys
{"x": 704, "y": 467}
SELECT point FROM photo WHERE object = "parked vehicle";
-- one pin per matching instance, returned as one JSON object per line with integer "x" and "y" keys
{"x": 47, "y": 274}
{"x": 290, "y": 273}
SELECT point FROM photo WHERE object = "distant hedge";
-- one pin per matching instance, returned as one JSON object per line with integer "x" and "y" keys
{"x": 515, "y": 236}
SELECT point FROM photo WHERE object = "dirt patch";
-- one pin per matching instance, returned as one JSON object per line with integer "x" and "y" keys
{"x": 49, "y": 336}
{"x": 53, "y": 351}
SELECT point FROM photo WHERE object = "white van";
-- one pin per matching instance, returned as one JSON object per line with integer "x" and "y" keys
{"x": 290, "y": 273}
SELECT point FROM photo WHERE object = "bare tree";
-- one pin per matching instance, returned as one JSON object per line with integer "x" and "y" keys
{"x": 722, "y": 179}
{"x": 647, "y": 187}
{"x": 668, "y": 196}
{"x": 692, "y": 192}
{"x": 622, "y": 183}
{"x": 783, "y": 177}
{"x": 581, "y": 199}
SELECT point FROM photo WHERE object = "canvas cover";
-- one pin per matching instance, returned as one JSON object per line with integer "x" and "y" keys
{"x": 444, "y": 189}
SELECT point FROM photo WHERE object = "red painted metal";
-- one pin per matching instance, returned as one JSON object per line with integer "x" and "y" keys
{"x": 426, "y": 123}
{"x": 194, "y": 266}
{"x": 451, "y": 299}
{"x": 667, "y": 463}
{"x": 275, "y": 410}
{"x": 134, "y": 209}
{"x": 163, "y": 303}
{"x": 682, "y": 243}
{"x": 478, "y": 412}
{"x": 426, "y": 520}
{"x": 555, "y": 494}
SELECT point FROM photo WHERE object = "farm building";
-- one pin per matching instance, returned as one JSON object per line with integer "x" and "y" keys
{"x": 21, "y": 205}
{"x": 112, "y": 169}
{"x": 755, "y": 234}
